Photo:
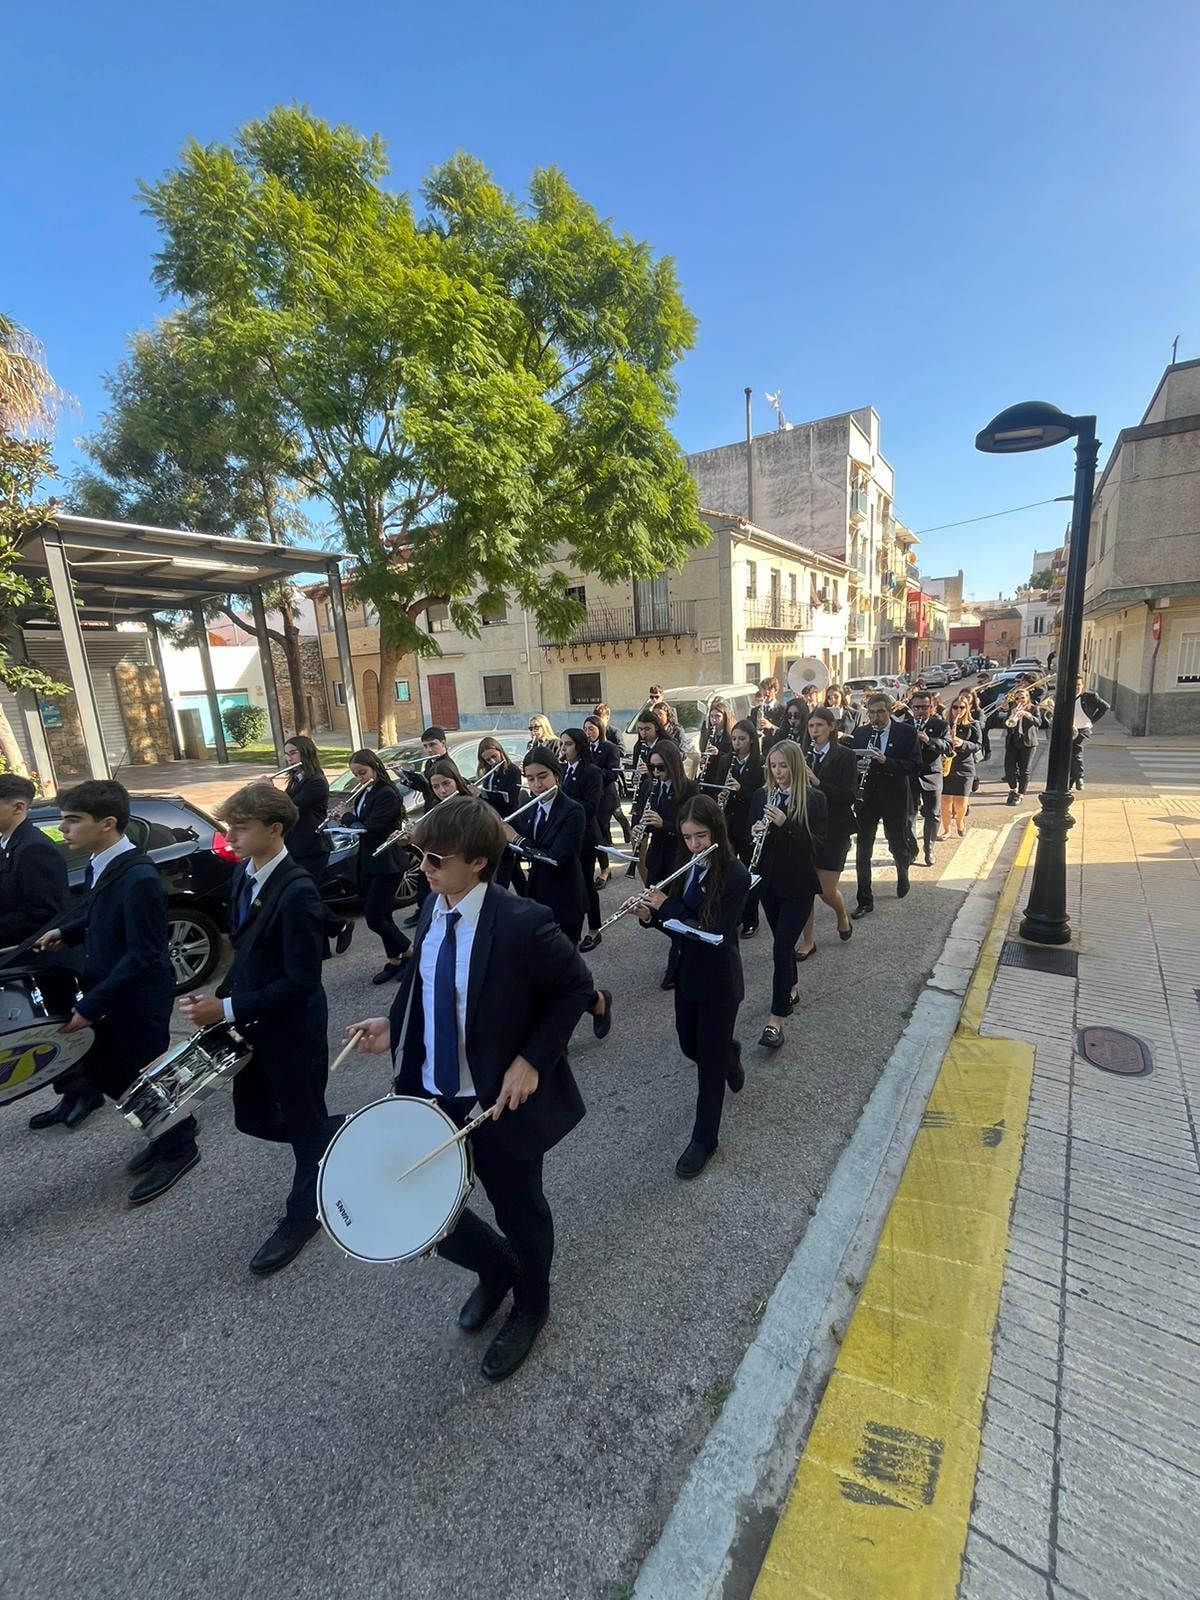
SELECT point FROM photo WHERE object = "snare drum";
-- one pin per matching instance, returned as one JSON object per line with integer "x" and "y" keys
{"x": 362, "y": 1207}
{"x": 34, "y": 1004}
{"x": 172, "y": 1087}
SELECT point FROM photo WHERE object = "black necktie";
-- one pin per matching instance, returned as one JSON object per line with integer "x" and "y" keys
{"x": 445, "y": 1012}
{"x": 538, "y": 820}
{"x": 89, "y": 875}
{"x": 245, "y": 896}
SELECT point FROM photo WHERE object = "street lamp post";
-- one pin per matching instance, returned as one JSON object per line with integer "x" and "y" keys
{"x": 1034, "y": 426}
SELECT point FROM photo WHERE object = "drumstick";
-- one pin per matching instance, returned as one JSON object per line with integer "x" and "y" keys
{"x": 346, "y": 1051}
{"x": 475, "y": 1122}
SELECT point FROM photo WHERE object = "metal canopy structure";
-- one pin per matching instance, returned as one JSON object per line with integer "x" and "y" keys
{"x": 111, "y": 572}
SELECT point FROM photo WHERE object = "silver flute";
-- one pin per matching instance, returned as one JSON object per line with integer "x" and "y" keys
{"x": 640, "y": 899}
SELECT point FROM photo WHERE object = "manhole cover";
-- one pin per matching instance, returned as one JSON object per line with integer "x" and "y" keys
{"x": 1114, "y": 1051}
{"x": 1040, "y": 958}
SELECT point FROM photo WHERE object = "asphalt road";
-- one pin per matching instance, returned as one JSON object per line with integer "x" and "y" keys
{"x": 175, "y": 1427}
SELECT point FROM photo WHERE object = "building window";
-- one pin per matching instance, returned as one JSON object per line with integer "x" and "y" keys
{"x": 1103, "y": 534}
{"x": 496, "y": 617}
{"x": 498, "y": 690}
{"x": 1039, "y": 624}
{"x": 401, "y": 691}
{"x": 339, "y": 694}
{"x": 1189, "y": 658}
{"x": 584, "y": 688}
{"x": 437, "y": 619}
{"x": 577, "y": 591}
{"x": 754, "y": 672}
{"x": 752, "y": 580}
{"x": 792, "y": 588}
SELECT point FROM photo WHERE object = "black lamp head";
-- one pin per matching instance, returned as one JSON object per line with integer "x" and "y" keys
{"x": 1032, "y": 425}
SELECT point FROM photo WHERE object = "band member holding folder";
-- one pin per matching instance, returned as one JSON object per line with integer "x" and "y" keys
{"x": 708, "y": 977}
{"x": 273, "y": 996}
{"x": 499, "y": 777}
{"x": 484, "y": 1015}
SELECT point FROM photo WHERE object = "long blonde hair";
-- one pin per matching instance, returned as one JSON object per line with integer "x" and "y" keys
{"x": 545, "y": 733}
{"x": 797, "y": 799}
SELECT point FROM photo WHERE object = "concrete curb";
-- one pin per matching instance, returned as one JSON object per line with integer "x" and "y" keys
{"x": 713, "y": 1542}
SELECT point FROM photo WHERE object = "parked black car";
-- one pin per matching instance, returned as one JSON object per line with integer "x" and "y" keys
{"x": 196, "y": 863}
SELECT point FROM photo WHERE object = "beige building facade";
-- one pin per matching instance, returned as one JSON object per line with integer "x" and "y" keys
{"x": 362, "y": 625}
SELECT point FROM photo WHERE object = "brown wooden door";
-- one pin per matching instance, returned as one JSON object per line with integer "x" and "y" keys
{"x": 443, "y": 700}
{"x": 370, "y": 701}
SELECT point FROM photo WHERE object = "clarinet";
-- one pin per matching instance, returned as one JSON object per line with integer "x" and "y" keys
{"x": 638, "y": 831}
{"x": 865, "y": 763}
{"x": 756, "y": 853}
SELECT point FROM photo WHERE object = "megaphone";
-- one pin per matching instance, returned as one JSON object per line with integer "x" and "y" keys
{"x": 807, "y": 670}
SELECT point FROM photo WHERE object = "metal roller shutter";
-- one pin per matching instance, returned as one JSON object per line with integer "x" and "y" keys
{"x": 103, "y": 654}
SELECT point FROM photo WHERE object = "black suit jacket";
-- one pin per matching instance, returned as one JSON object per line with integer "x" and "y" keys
{"x": 586, "y": 787}
{"x": 275, "y": 979}
{"x": 786, "y": 863}
{"x": 739, "y": 805}
{"x": 663, "y": 849}
{"x": 126, "y": 979}
{"x": 887, "y": 786}
{"x": 559, "y": 888}
{"x": 502, "y": 790}
{"x": 310, "y": 796}
{"x": 705, "y": 974}
{"x": 33, "y": 884}
{"x": 929, "y": 756}
{"x": 837, "y": 778}
{"x": 606, "y": 757}
{"x": 526, "y": 989}
{"x": 381, "y": 813}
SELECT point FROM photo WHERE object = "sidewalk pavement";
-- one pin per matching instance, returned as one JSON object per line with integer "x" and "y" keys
{"x": 1013, "y": 1413}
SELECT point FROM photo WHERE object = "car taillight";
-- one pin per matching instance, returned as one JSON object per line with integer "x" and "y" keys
{"x": 222, "y": 847}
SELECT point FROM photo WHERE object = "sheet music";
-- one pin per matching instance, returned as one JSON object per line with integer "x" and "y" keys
{"x": 673, "y": 925}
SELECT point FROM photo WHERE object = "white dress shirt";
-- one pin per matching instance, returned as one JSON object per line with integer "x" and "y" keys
{"x": 99, "y": 862}
{"x": 469, "y": 909}
{"x": 257, "y": 877}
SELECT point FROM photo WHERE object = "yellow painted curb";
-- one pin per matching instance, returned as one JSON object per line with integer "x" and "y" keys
{"x": 882, "y": 1496}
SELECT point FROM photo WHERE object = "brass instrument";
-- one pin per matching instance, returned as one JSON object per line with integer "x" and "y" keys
{"x": 640, "y": 899}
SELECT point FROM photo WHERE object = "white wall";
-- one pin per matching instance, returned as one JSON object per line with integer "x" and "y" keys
{"x": 235, "y": 666}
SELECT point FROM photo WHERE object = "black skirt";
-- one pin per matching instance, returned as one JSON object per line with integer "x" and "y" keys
{"x": 830, "y": 855}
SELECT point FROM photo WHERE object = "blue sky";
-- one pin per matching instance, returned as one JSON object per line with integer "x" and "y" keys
{"x": 935, "y": 209}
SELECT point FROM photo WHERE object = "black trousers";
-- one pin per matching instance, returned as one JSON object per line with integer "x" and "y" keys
{"x": 111, "y": 1066}
{"x": 610, "y": 807}
{"x": 927, "y": 803}
{"x": 1016, "y": 764}
{"x": 894, "y": 816}
{"x": 282, "y": 1098}
{"x": 379, "y": 912}
{"x": 705, "y": 1034}
{"x": 786, "y": 918}
{"x": 1077, "y": 744}
{"x": 750, "y": 909}
{"x": 587, "y": 857}
{"x": 514, "y": 1188}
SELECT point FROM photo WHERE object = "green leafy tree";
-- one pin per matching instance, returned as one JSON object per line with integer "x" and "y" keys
{"x": 173, "y": 450}
{"x": 474, "y": 390}
{"x": 1042, "y": 580}
{"x": 29, "y": 404}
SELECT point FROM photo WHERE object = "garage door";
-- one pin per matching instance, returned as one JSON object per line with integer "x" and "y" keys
{"x": 103, "y": 655}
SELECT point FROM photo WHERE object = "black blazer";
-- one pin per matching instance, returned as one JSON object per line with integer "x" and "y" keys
{"x": 663, "y": 847}
{"x": 720, "y": 739}
{"x": 126, "y": 979}
{"x": 606, "y": 757}
{"x": 381, "y": 813}
{"x": 275, "y": 979}
{"x": 705, "y": 974}
{"x": 786, "y": 863}
{"x": 1093, "y": 708}
{"x": 526, "y": 989}
{"x": 887, "y": 783}
{"x": 965, "y": 758}
{"x": 586, "y": 787}
{"x": 33, "y": 884}
{"x": 559, "y": 888}
{"x": 930, "y": 755}
{"x": 310, "y": 796}
{"x": 837, "y": 778}
{"x": 737, "y": 808}
{"x": 500, "y": 789}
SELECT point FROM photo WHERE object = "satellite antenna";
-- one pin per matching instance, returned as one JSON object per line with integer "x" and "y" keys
{"x": 776, "y": 402}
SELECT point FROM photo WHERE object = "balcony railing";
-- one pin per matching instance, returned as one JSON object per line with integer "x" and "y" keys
{"x": 618, "y": 624}
{"x": 777, "y": 616}
{"x": 858, "y": 505}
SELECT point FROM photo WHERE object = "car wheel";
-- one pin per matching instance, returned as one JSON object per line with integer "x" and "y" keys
{"x": 194, "y": 942}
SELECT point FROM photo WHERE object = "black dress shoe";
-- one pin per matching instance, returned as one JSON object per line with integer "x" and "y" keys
{"x": 482, "y": 1304}
{"x": 284, "y": 1245}
{"x": 342, "y": 943}
{"x": 163, "y": 1175}
{"x": 804, "y": 955}
{"x": 601, "y": 1025}
{"x": 748, "y": 933}
{"x": 512, "y": 1344}
{"x": 668, "y": 981}
{"x": 1012, "y": 798}
{"x": 81, "y": 1109}
{"x": 590, "y": 943}
{"x": 848, "y": 934}
{"x": 902, "y": 883}
{"x": 861, "y": 911}
{"x": 51, "y": 1118}
{"x": 143, "y": 1161}
{"x": 929, "y": 861}
{"x": 693, "y": 1161}
{"x": 771, "y": 1036}
{"x": 736, "y": 1076}
{"x": 390, "y": 972}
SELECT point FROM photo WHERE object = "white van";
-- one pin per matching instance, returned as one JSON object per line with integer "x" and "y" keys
{"x": 690, "y": 705}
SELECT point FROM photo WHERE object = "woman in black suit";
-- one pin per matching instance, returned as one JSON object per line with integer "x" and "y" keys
{"x": 379, "y": 810}
{"x": 717, "y": 730}
{"x": 669, "y": 788}
{"x": 606, "y": 758}
{"x": 743, "y": 780}
{"x": 583, "y": 781}
{"x": 790, "y": 818}
{"x": 499, "y": 777}
{"x": 833, "y": 769}
{"x": 707, "y": 978}
{"x": 965, "y": 737}
{"x": 308, "y": 790}
{"x": 795, "y": 727}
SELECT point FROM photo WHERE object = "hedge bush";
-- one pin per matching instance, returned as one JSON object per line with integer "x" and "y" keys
{"x": 244, "y": 724}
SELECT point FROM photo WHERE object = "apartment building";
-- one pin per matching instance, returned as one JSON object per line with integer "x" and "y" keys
{"x": 744, "y": 606}
{"x": 362, "y": 625}
{"x": 827, "y": 486}
{"x": 1141, "y": 641}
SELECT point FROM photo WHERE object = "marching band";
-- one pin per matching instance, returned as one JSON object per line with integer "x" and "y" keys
{"x": 508, "y": 867}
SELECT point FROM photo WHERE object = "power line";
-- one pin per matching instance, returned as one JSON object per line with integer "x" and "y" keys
{"x": 988, "y": 515}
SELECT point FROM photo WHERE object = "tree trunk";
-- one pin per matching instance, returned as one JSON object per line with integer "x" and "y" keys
{"x": 295, "y": 666}
{"x": 14, "y": 761}
{"x": 389, "y": 667}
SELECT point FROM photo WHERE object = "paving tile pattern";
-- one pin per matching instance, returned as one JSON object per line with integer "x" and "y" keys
{"x": 1089, "y": 1478}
